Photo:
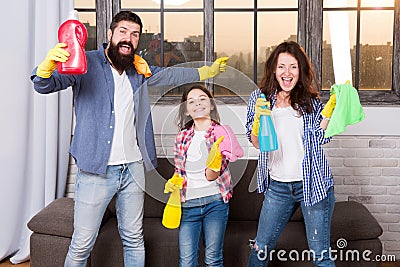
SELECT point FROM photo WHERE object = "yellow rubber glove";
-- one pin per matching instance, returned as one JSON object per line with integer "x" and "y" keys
{"x": 260, "y": 109}
{"x": 255, "y": 129}
{"x": 172, "y": 211}
{"x": 329, "y": 107}
{"x": 49, "y": 64}
{"x": 141, "y": 66}
{"x": 214, "y": 160}
{"x": 216, "y": 68}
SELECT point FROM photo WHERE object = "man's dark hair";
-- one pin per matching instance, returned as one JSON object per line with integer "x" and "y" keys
{"x": 127, "y": 16}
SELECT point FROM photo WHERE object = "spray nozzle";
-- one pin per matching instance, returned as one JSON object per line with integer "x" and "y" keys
{"x": 73, "y": 14}
{"x": 268, "y": 104}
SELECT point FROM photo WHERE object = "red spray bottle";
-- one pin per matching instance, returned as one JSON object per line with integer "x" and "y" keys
{"x": 74, "y": 34}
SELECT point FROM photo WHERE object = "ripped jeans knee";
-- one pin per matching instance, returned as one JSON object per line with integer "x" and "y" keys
{"x": 258, "y": 256}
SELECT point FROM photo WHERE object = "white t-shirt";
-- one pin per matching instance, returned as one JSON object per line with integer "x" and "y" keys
{"x": 124, "y": 148}
{"x": 285, "y": 164}
{"x": 197, "y": 183}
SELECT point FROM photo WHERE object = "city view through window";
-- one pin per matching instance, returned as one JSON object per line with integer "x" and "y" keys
{"x": 235, "y": 35}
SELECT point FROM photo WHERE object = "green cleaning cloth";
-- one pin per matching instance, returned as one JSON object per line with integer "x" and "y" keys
{"x": 348, "y": 109}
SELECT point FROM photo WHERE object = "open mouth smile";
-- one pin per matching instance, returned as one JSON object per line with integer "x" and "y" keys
{"x": 287, "y": 81}
{"x": 125, "y": 48}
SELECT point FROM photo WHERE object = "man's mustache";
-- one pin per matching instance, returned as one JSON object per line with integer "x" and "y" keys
{"x": 125, "y": 43}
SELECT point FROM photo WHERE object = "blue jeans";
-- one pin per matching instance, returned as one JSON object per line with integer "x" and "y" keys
{"x": 281, "y": 201}
{"x": 92, "y": 195}
{"x": 207, "y": 214}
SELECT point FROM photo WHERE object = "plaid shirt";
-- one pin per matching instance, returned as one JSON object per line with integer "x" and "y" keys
{"x": 182, "y": 143}
{"x": 317, "y": 176}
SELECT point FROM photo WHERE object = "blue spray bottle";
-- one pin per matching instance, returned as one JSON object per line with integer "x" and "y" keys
{"x": 267, "y": 138}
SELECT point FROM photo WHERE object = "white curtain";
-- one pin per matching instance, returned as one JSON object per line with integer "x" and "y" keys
{"x": 35, "y": 129}
{"x": 340, "y": 42}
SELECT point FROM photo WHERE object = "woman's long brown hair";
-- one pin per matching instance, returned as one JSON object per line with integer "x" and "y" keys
{"x": 307, "y": 86}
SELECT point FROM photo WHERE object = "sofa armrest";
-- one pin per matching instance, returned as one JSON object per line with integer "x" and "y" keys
{"x": 57, "y": 218}
{"x": 353, "y": 221}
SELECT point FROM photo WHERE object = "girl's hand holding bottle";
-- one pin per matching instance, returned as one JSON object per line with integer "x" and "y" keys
{"x": 172, "y": 211}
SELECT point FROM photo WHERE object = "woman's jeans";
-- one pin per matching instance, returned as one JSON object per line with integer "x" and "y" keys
{"x": 281, "y": 201}
{"x": 208, "y": 215}
{"x": 92, "y": 195}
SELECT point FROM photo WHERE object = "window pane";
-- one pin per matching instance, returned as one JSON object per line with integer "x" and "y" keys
{"x": 156, "y": 3}
{"x": 139, "y": 4}
{"x": 234, "y": 37}
{"x": 340, "y": 3}
{"x": 274, "y": 3}
{"x": 377, "y": 3}
{"x": 181, "y": 44}
{"x": 376, "y": 49}
{"x": 328, "y": 75}
{"x": 184, "y": 43}
{"x": 149, "y": 44}
{"x": 182, "y": 3}
{"x": 269, "y": 35}
{"x": 85, "y": 3}
{"x": 89, "y": 20}
{"x": 234, "y": 4}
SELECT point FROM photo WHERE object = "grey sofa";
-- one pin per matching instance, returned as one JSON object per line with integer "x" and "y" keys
{"x": 354, "y": 229}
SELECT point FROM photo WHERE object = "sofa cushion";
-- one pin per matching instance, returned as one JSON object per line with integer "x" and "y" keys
{"x": 161, "y": 244}
{"x": 297, "y": 216}
{"x": 243, "y": 180}
{"x": 153, "y": 207}
{"x": 57, "y": 218}
{"x": 352, "y": 221}
{"x": 108, "y": 249}
{"x": 236, "y": 243}
{"x": 155, "y": 198}
{"x": 47, "y": 250}
{"x": 293, "y": 236}
{"x": 245, "y": 203}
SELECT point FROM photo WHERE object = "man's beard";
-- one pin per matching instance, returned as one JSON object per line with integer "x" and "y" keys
{"x": 119, "y": 61}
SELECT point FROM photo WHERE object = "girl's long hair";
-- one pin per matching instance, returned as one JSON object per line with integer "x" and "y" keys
{"x": 307, "y": 86}
{"x": 185, "y": 121}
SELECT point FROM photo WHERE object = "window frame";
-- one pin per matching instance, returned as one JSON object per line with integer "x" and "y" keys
{"x": 374, "y": 97}
{"x": 309, "y": 36}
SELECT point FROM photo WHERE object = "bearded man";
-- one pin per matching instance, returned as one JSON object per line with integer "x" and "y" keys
{"x": 113, "y": 137}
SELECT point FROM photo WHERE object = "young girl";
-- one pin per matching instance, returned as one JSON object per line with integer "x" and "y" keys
{"x": 207, "y": 185}
{"x": 297, "y": 174}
